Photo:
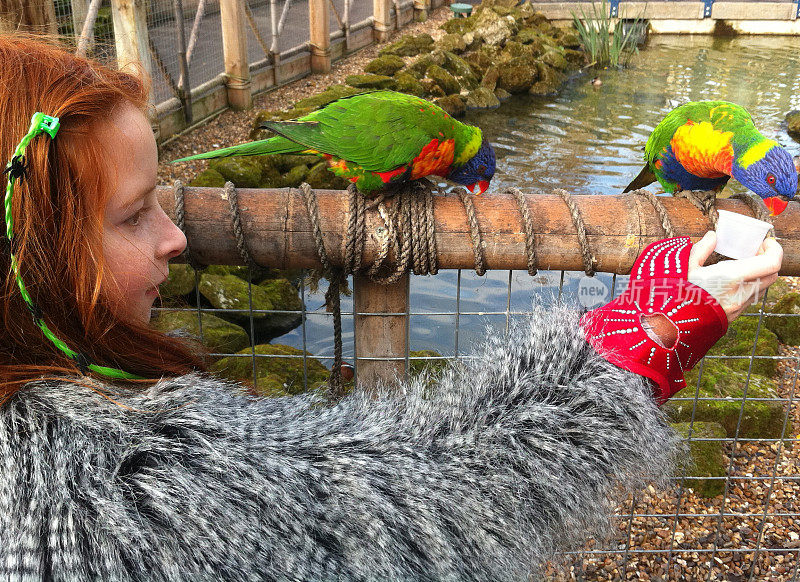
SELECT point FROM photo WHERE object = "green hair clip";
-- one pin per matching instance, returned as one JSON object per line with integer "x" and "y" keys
{"x": 17, "y": 170}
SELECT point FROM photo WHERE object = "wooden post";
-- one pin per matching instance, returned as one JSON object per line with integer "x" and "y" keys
{"x": 319, "y": 29}
{"x": 421, "y": 9}
{"x": 381, "y": 24}
{"x": 37, "y": 16}
{"x": 80, "y": 9}
{"x": 130, "y": 34}
{"x": 377, "y": 335}
{"x": 234, "y": 48}
{"x": 184, "y": 88}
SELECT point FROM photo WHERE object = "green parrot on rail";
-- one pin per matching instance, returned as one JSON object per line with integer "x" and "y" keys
{"x": 379, "y": 139}
{"x": 702, "y": 144}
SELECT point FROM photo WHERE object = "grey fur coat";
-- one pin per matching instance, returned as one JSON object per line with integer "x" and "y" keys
{"x": 504, "y": 463}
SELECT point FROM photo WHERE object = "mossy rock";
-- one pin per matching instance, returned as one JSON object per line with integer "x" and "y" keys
{"x": 296, "y": 176}
{"x": 446, "y": 82}
{"x": 459, "y": 26}
{"x": 569, "y": 39}
{"x": 532, "y": 38}
{"x": 242, "y": 171}
{"x": 706, "y": 457}
{"x": 461, "y": 70}
{"x": 406, "y": 83}
{"x": 419, "y": 68}
{"x": 493, "y": 28}
{"x": 482, "y": 59}
{"x": 369, "y": 81}
{"x": 793, "y": 124}
{"x": 232, "y": 292}
{"x": 760, "y": 419}
{"x": 482, "y": 98}
{"x": 276, "y": 376}
{"x": 777, "y": 290}
{"x": 255, "y": 274}
{"x": 181, "y": 282}
{"x": 319, "y": 176}
{"x": 502, "y": 95}
{"x": 549, "y": 82}
{"x": 453, "y": 43}
{"x": 786, "y": 328}
{"x": 738, "y": 341}
{"x": 219, "y": 336}
{"x": 284, "y": 297}
{"x": 208, "y": 178}
{"x": 257, "y": 132}
{"x": 575, "y": 58}
{"x": 454, "y": 105}
{"x": 427, "y": 361}
{"x": 329, "y": 95}
{"x": 518, "y": 75}
{"x": 556, "y": 59}
{"x": 432, "y": 90}
{"x": 409, "y": 46}
{"x": 490, "y": 79}
{"x": 515, "y": 49}
{"x": 386, "y": 65}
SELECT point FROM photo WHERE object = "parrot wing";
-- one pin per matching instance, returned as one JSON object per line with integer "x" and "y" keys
{"x": 378, "y": 131}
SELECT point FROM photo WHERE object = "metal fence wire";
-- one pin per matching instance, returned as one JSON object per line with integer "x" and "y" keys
{"x": 747, "y": 530}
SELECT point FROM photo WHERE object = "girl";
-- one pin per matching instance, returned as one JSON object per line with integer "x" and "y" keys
{"x": 177, "y": 476}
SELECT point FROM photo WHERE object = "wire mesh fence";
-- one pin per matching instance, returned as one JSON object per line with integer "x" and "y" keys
{"x": 739, "y": 522}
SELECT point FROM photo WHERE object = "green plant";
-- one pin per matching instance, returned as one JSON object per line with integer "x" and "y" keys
{"x": 608, "y": 44}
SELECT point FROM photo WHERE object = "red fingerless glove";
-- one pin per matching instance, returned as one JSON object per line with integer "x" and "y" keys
{"x": 658, "y": 285}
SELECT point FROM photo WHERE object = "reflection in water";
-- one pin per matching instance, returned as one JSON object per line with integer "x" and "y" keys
{"x": 588, "y": 140}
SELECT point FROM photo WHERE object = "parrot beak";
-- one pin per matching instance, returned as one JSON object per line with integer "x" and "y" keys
{"x": 478, "y": 188}
{"x": 776, "y": 205}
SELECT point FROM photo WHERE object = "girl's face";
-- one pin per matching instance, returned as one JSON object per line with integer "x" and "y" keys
{"x": 138, "y": 237}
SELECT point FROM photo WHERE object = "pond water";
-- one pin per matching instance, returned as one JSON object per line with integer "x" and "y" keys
{"x": 588, "y": 140}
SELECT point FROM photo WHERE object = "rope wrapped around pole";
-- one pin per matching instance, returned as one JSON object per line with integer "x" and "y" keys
{"x": 279, "y": 232}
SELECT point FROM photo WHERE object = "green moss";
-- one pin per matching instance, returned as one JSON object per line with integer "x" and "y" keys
{"x": 786, "y": 328}
{"x": 793, "y": 123}
{"x": 455, "y": 105}
{"x": 218, "y": 335}
{"x": 409, "y": 46}
{"x": 459, "y": 25}
{"x": 452, "y": 43}
{"x": 549, "y": 82}
{"x": 329, "y": 95}
{"x": 296, "y": 176}
{"x": 280, "y": 375}
{"x": 738, "y": 341}
{"x": 426, "y": 362}
{"x": 319, "y": 176}
{"x": 242, "y": 171}
{"x": 181, "y": 282}
{"x": 556, "y": 59}
{"x": 406, "y": 83}
{"x": 386, "y": 65}
{"x": 369, "y": 81}
{"x": 208, "y": 178}
{"x": 482, "y": 98}
{"x": 231, "y": 292}
{"x": 517, "y": 75}
{"x": 419, "y": 68}
{"x": 446, "y": 82}
{"x": 706, "y": 458}
{"x": 725, "y": 389}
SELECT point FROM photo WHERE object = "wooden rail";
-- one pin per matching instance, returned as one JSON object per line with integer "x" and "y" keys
{"x": 278, "y": 234}
{"x": 278, "y": 231}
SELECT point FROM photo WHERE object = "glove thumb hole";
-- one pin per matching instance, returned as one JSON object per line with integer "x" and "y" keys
{"x": 702, "y": 249}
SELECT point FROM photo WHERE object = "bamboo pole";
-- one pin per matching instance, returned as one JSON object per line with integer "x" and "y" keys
{"x": 278, "y": 232}
{"x": 130, "y": 35}
{"x": 380, "y": 338}
{"x": 320, "y": 36}
{"x": 234, "y": 48}
{"x": 381, "y": 24}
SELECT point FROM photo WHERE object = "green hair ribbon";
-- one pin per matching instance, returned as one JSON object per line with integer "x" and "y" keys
{"x": 17, "y": 170}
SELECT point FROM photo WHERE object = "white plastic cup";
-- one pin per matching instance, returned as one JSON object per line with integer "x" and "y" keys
{"x": 738, "y": 235}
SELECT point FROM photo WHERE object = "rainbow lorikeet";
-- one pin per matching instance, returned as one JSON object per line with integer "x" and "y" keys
{"x": 701, "y": 144}
{"x": 378, "y": 139}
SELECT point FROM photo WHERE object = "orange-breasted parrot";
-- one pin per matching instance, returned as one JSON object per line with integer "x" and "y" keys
{"x": 380, "y": 138}
{"x": 701, "y": 144}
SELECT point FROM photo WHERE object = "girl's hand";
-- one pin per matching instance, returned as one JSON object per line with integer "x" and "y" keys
{"x": 735, "y": 284}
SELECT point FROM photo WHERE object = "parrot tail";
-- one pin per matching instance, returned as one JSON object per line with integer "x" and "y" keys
{"x": 273, "y": 145}
{"x": 645, "y": 177}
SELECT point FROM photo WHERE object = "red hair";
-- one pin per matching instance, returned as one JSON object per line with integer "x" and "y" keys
{"x": 58, "y": 220}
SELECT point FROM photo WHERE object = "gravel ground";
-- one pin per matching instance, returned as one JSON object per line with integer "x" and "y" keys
{"x": 653, "y": 545}
{"x": 233, "y": 127}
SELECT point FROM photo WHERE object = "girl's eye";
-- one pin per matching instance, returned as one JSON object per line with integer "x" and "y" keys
{"x": 134, "y": 220}
{"x": 770, "y": 179}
